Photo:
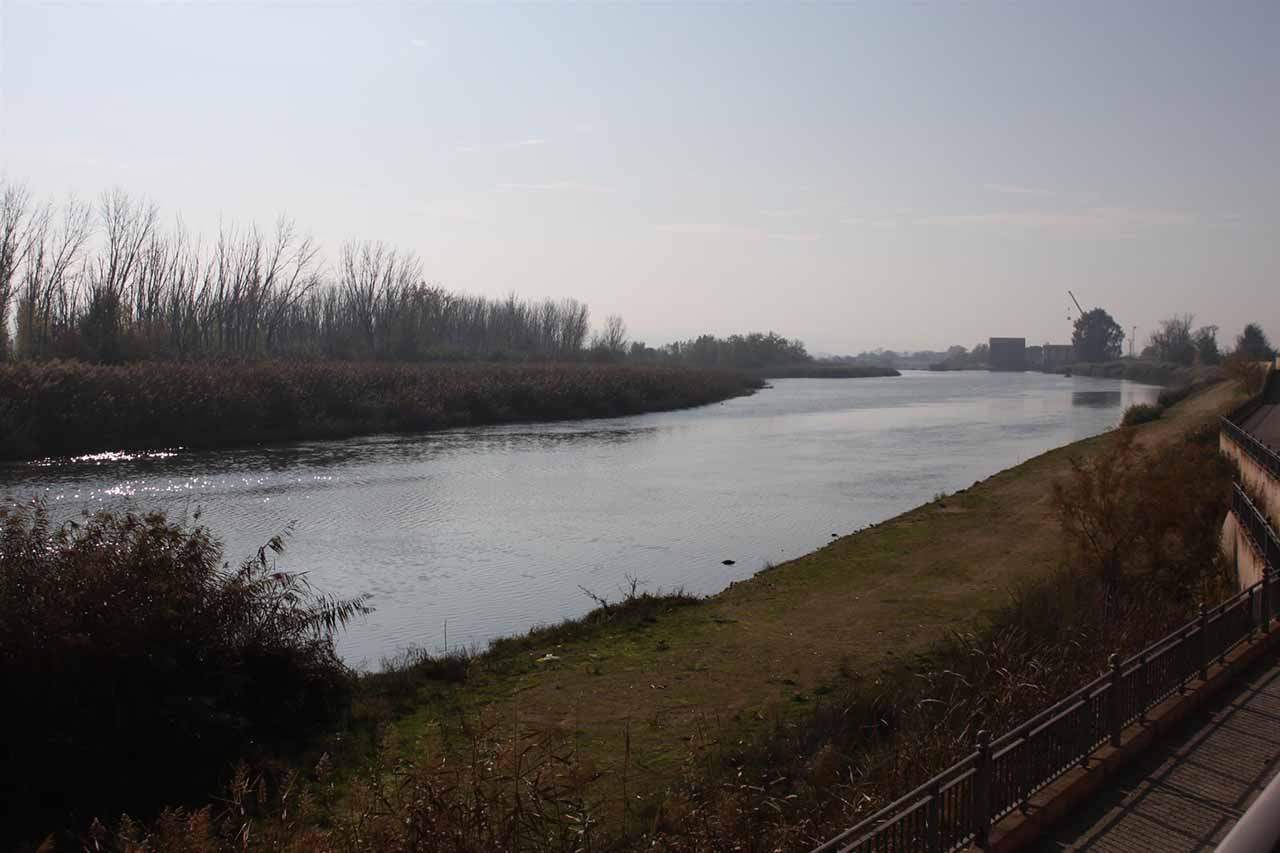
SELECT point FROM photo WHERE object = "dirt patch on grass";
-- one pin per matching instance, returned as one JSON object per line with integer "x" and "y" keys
{"x": 646, "y": 701}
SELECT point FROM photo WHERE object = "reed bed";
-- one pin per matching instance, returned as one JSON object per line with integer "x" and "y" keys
{"x": 65, "y": 408}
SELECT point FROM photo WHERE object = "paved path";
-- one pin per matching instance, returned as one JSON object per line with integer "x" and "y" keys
{"x": 1189, "y": 791}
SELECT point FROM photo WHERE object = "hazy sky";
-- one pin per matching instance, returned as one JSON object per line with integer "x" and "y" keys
{"x": 877, "y": 174}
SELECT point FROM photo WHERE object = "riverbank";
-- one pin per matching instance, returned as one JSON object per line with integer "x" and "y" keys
{"x": 820, "y": 371}
{"x": 644, "y": 703}
{"x": 63, "y": 408}
{"x": 1165, "y": 373}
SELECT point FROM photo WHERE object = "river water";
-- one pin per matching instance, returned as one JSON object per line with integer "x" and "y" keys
{"x": 483, "y": 532}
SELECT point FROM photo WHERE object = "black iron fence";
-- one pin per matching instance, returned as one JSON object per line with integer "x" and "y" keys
{"x": 1256, "y": 525}
{"x": 958, "y": 806}
{"x": 1254, "y": 449}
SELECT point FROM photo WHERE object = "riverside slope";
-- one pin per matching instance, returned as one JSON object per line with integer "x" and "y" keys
{"x": 767, "y": 647}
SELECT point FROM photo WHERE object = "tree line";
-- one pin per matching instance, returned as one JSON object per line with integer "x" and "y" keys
{"x": 753, "y": 350}
{"x": 1097, "y": 337}
{"x": 106, "y": 282}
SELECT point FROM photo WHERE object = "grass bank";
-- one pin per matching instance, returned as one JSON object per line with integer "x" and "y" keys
{"x": 62, "y": 408}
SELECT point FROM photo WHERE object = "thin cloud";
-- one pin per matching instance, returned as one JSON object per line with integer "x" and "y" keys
{"x": 1016, "y": 189}
{"x": 500, "y": 146}
{"x": 418, "y": 43}
{"x": 556, "y": 187}
{"x": 1103, "y": 218}
{"x": 727, "y": 229}
{"x": 702, "y": 228}
{"x": 785, "y": 213}
{"x": 874, "y": 221}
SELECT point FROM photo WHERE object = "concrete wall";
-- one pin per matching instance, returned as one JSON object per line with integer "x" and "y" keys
{"x": 1256, "y": 480}
{"x": 1260, "y": 486}
{"x": 1239, "y": 550}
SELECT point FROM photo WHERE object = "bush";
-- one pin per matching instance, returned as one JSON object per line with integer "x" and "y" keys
{"x": 1172, "y": 396}
{"x": 146, "y": 666}
{"x": 1141, "y": 413}
{"x": 1251, "y": 375}
{"x": 1149, "y": 519}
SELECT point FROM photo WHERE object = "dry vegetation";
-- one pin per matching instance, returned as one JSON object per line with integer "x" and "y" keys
{"x": 138, "y": 665}
{"x": 57, "y": 408}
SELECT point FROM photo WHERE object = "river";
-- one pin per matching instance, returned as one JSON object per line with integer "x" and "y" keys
{"x": 483, "y": 532}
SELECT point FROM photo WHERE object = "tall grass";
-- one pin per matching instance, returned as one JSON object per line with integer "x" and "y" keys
{"x": 138, "y": 666}
{"x": 56, "y": 408}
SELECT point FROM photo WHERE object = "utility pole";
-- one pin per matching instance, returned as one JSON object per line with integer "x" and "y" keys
{"x": 1132, "y": 338}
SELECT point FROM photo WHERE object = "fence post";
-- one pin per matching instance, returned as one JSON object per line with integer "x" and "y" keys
{"x": 933, "y": 834}
{"x": 1184, "y": 660}
{"x": 1252, "y": 621}
{"x": 1204, "y": 643}
{"x": 982, "y": 791}
{"x": 1266, "y": 599}
{"x": 1113, "y": 702}
{"x": 1144, "y": 692}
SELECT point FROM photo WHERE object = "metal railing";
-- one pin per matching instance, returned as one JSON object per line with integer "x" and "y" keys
{"x": 958, "y": 806}
{"x": 1256, "y": 525}
{"x": 1254, "y": 449}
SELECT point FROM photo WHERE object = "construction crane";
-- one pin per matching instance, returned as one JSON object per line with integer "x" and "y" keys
{"x": 1076, "y": 301}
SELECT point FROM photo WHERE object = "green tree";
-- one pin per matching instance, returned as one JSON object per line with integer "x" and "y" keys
{"x": 1253, "y": 344}
{"x": 1097, "y": 336}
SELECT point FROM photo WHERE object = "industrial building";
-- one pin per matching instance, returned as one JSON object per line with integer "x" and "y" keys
{"x": 1008, "y": 353}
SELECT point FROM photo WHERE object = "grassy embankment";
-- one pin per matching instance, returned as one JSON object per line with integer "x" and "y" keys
{"x": 62, "y": 408}
{"x": 643, "y": 703}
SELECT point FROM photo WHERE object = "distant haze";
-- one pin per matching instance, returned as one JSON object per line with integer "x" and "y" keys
{"x": 873, "y": 175}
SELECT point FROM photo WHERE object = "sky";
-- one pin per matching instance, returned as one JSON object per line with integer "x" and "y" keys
{"x": 858, "y": 175}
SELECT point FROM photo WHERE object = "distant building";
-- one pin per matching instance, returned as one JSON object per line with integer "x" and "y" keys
{"x": 1055, "y": 356}
{"x": 1035, "y": 358}
{"x": 1008, "y": 353}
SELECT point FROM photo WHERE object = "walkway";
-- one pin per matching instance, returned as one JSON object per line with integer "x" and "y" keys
{"x": 1188, "y": 792}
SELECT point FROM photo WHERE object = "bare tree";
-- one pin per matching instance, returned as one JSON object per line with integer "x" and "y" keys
{"x": 1174, "y": 341}
{"x": 15, "y": 221}
{"x": 108, "y": 283}
{"x": 51, "y": 277}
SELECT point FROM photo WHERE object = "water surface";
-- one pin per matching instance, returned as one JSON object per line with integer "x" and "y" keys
{"x": 487, "y": 531}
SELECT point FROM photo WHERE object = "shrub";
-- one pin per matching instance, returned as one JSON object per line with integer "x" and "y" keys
{"x": 146, "y": 666}
{"x": 1172, "y": 396}
{"x": 1149, "y": 518}
{"x": 1251, "y": 375}
{"x": 1141, "y": 413}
